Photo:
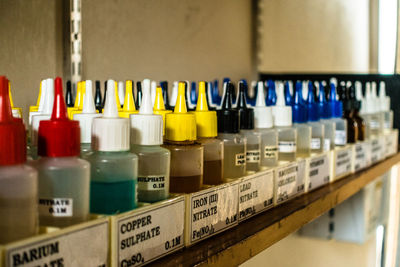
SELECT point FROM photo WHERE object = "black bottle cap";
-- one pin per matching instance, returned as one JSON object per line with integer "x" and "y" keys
{"x": 348, "y": 105}
{"x": 69, "y": 101}
{"x": 246, "y": 114}
{"x": 98, "y": 102}
{"x": 228, "y": 118}
{"x": 105, "y": 94}
{"x": 164, "y": 87}
{"x": 342, "y": 91}
{"x": 139, "y": 95}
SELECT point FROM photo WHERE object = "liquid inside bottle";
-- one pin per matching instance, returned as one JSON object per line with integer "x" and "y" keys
{"x": 287, "y": 143}
{"x": 213, "y": 160}
{"x": 269, "y": 147}
{"x": 234, "y": 155}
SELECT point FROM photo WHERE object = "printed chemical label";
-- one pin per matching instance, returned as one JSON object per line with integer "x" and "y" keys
{"x": 286, "y": 182}
{"x": 270, "y": 152}
{"x": 87, "y": 246}
{"x": 327, "y": 144}
{"x": 256, "y": 194}
{"x": 148, "y": 235}
{"x": 240, "y": 159}
{"x": 253, "y": 156}
{"x": 373, "y": 124}
{"x": 56, "y": 207}
{"x": 151, "y": 182}
{"x": 362, "y": 155}
{"x": 315, "y": 143}
{"x": 377, "y": 149}
{"x": 319, "y": 172}
{"x": 340, "y": 138}
{"x": 287, "y": 146}
{"x": 213, "y": 211}
{"x": 301, "y": 176}
{"x": 343, "y": 162}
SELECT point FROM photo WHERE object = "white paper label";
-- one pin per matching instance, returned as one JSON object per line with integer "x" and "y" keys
{"x": 391, "y": 143}
{"x": 287, "y": 146}
{"x": 315, "y": 143}
{"x": 270, "y": 152}
{"x": 240, "y": 159}
{"x": 87, "y": 246}
{"x": 340, "y": 138}
{"x": 256, "y": 194}
{"x": 327, "y": 144}
{"x": 253, "y": 156}
{"x": 286, "y": 182}
{"x": 301, "y": 176}
{"x": 343, "y": 162}
{"x": 377, "y": 149}
{"x": 362, "y": 156}
{"x": 56, "y": 207}
{"x": 319, "y": 172}
{"x": 213, "y": 211}
{"x": 149, "y": 235}
{"x": 152, "y": 182}
{"x": 373, "y": 124}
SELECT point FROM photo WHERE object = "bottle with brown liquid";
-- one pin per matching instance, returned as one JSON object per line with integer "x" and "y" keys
{"x": 352, "y": 126}
{"x": 356, "y": 106}
{"x": 186, "y": 173}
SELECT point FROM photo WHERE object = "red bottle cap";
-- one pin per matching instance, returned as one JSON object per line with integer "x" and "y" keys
{"x": 12, "y": 131}
{"x": 59, "y": 136}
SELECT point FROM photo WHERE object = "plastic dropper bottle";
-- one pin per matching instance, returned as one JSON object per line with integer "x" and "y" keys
{"x": 38, "y": 109}
{"x": 263, "y": 122}
{"x": 68, "y": 95}
{"x": 18, "y": 181}
{"x": 139, "y": 94}
{"x": 326, "y": 119}
{"x": 385, "y": 107}
{"x": 287, "y": 134}
{"x": 337, "y": 111}
{"x": 129, "y": 102}
{"x": 186, "y": 175}
{"x": 246, "y": 124}
{"x": 98, "y": 100}
{"x": 154, "y": 161}
{"x": 271, "y": 97}
{"x": 113, "y": 187}
{"x": 356, "y": 106}
{"x": 174, "y": 95}
{"x": 234, "y": 143}
{"x": 64, "y": 179}
{"x": 121, "y": 93}
{"x": 85, "y": 119}
{"x": 16, "y": 112}
{"x": 104, "y": 97}
{"x": 374, "y": 119}
{"x": 164, "y": 86}
{"x": 206, "y": 121}
{"x": 299, "y": 110}
{"x": 159, "y": 107}
{"x": 153, "y": 89}
{"x": 317, "y": 128}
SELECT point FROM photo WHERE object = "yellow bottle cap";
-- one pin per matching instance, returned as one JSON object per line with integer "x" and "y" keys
{"x": 36, "y": 108}
{"x": 82, "y": 96}
{"x": 17, "y": 112}
{"x": 129, "y": 104}
{"x": 78, "y": 99}
{"x": 180, "y": 125}
{"x": 74, "y": 110}
{"x": 206, "y": 120}
{"x": 159, "y": 107}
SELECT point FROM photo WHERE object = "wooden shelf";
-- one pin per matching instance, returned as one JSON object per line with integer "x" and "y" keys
{"x": 254, "y": 235}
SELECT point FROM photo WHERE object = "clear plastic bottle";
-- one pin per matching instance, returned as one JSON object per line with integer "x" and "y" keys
{"x": 263, "y": 123}
{"x": 85, "y": 119}
{"x": 246, "y": 123}
{"x": 326, "y": 115}
{"x": 299, "y": 110}
{"x": 18, "y": 181}
{"x": 154, "y": 161}
{"x": 317, "y": 128}
{"x": 387, "y": 113}
{"x": 287, "y": 134}
{"x": 206, "y": 122}
{"x": 186, "y": 173}
{"x": 64, "y": 179}
{"x": 228, "y": 131}
{"x": 113, "y": 186}
{"x": 341, "y": 124}
{"x": 374, "y": 118}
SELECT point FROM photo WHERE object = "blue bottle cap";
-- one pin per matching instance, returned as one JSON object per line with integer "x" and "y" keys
{"x": 193, "y": 95}
{"x": 250, "y": 100}
{"x": 216, "y": 98}
{"x": 271, "y": 96}
{"x": 312, "y": 105}
{"x": 323, "y": 105}
{"x": 336, "y": 105}
{"x": 299, "y": 108}
{"x": 288, "y": 95}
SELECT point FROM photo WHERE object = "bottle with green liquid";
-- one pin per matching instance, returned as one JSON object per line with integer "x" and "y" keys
{"x": 113, "y": 187}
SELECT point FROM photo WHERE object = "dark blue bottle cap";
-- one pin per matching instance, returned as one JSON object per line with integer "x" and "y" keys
{"x": 336, "y": 105}
{"x": 271, "y": 93}
{"x": 193, "y": 95}
{"x": 323, "y": 105}
{"x": 246, "y": 114}
{"x": 215, "y": 96}
{"x": 288, "y": 95}
{"x": 299, "y": 109}
{"x": 312, "y": 105}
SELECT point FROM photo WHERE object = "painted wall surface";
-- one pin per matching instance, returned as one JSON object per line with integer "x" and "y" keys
{"x": 314, "y": 36}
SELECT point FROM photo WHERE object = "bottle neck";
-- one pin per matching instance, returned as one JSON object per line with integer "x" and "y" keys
{"x": 187, "y": 142}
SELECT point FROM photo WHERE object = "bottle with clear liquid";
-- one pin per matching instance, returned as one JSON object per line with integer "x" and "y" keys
{"x": 326, "y": 115}
{"x": 387, "y": 113}
{"x": 246, "y": 117}
{"x": 234, "y": 143}
{"x": 64, "y": 179}
{"x": 287, "y": 134}
{"x": 154, "y": 161}
{"x": 113, "y": 183}
{"x": 337, "y": 111}
{"x": 206, "y": 121}
{"x": 263, "y": 123}
{"x": 18, "y": 181}
{"x": 299, "y": 110}
{"x": 187, "y": 155}
{"x": 317, "y": 128}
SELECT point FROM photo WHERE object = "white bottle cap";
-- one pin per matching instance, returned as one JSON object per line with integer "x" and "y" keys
{"x": 153, "y": 91}
{"x": 174, "y": 94}
{"x": 304, "y": 90}
{"x": 146, "y": 127}
{"x": 262, "y": 114}
{"x": 369, "y": 102}
{"x": 110, "y": 132}
{"x": 88, "y": 114}
{"x": 121, "y": 93}
{"x": 375, "y": 100}
{"x": 383, "y": 98}
{"x": 49, "y": 100}
{"x": 282, "y": 113}
{"x": 209, "y": 94}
